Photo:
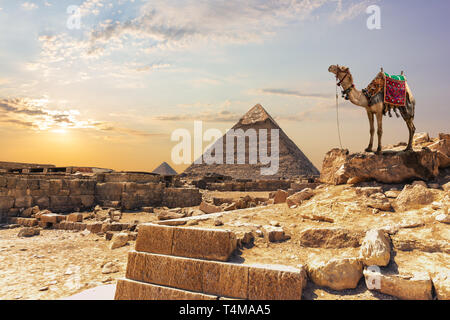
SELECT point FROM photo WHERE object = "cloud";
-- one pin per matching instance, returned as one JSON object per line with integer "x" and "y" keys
{"x": 29, "y": 6}
{"x": 352, "y": 10}
{"x": 294, "y": 93}
{"x": 35, "y": 114}
{"x": 209, "y": 116}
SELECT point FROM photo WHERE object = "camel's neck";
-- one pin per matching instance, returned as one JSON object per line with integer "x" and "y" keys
{"x": 355, "y": 96}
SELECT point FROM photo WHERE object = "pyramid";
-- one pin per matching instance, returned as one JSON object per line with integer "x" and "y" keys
{"x": 292, "y": 161}
{"x": 165, "y": 170}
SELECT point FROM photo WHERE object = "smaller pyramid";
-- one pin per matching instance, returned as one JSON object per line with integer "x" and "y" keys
{"x": 165, "y": 170}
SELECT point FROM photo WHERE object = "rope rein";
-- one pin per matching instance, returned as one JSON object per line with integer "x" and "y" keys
{"x": 337, "y": 113}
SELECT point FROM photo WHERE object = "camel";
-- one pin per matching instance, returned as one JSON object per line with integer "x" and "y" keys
{"x": 374, "y": 107}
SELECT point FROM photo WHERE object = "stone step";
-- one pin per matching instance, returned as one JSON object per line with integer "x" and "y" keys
{"x": 135, "y": 290}
{"x": 198, "y": 243}
{"x": 255, "y": 282}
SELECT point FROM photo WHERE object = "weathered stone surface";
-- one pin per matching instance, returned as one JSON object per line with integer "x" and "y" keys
{"x": 208, "y": 244}
{"x": 134, "y": 290}
{"x": 299, "y": 197}
{"x": 280, "y": 196}
{"x": 176, "y": 272}
{"x": 110, "y": 267}
{"x": 28, "y": 232}
{"x": 337, "y": 274}
{"x": 331, "y": 238}
{"x": 168, "y": 215}
{"x": 225, "y": 279}
{"x": 203, "y": 243}
{"x": 416, "y": 286}
{"x": 420, "y": 138}
{"x": 75, "y": 217}
{"x": 441, "y": 283}
{"x": 119, "y": 240}
{"x": 375, "y": 248}
{"x": 155, "y": 239}
{"x": 209, "y": 208}
{"x": 390, "y": 167}
{"x": 52, "y": 218}
{"x": 272, "y": 282}
{"x": 413, "y": 197}
{"x": 273, "y": 234}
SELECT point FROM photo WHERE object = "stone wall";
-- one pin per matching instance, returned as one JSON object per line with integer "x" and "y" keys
{"x": 68, "y": 193}
{"x": 260, "y": 185}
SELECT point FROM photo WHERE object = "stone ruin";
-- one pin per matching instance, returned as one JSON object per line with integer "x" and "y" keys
{"x": 64, "y": 193}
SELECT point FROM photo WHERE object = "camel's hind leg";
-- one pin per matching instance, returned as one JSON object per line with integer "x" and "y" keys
{"x": 379, "y": 130}
{"x": 372, "y": 130}
{"x": 412, "y": 130}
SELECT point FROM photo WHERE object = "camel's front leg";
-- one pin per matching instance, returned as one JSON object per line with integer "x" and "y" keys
{"x": 372, "y": 130}
{"x": 412, "y": 130}
{"x": 379, "y": 130}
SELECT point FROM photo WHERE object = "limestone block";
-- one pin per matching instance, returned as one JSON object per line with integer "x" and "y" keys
{"x": 75, "y": 217}
{"x": 269, "y": 282}
{"x": 155, "y": 239}
{"x": 337, "y": 274}
{"x": 134, "y": 290}
{"x": 375, "y": 248}
{"x": 24, "y": 202}
{"x": 225, "y": 279}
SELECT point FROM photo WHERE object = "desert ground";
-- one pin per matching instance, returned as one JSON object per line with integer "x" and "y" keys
{"x": 60, "y": 263}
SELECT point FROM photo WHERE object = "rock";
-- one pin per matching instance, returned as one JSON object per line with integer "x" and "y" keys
{"x": 218, "y": 222}
{"x": 280, "y": 196}
{"x": 392, "y": 194}
{"x": 420, "y": 183}
{"x": 167, "y": 215}
{"x": 390, "y": 167}
{"x": 421, "y": 138}
{"x": 244, "y": 238}
{"x": 119, "y": 240}
{"x": 412, "y": 197}
{"x": 29, "y": 232}
{"x": 337, "y": 273}
{"x": 274, "y": 223}
{"x": 368, "y": 191}
{"x": 110, "y": 267}
{"x": 75, "y": 217}
{"x": 85, "y": 233}
{"x": 379, "y": 201}
{"x": 441, "y": 283}
{"x": 43, "y": 289}
{"x": 273, "y": 234}
{"x": 408, "y": 287}
{"x": 446, "y": 187}
{"x": 444, "y": 218}
{"x": 375, "y": 248}
{"x": 331, "y": 238}
{"x": 297, "y": 198}
{"x": 148, "y": 209}
{"x": 209, "y": 208}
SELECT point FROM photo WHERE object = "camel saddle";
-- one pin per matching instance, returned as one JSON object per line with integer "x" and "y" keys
{"x": 391, "y": 89}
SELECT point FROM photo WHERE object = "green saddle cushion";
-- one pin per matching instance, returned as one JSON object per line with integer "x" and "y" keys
{"x": 397, "y": 77}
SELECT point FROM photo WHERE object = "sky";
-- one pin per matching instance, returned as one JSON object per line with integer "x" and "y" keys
{"x": 105, "y": 83}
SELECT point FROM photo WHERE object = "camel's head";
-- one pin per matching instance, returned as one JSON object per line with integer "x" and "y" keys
{"x": 335, "y": 69}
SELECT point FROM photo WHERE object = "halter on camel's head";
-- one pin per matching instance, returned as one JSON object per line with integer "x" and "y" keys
{"x": 342, "y": 73}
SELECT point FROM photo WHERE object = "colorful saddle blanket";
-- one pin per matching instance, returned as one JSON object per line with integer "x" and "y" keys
{"x": 395, "y": 90}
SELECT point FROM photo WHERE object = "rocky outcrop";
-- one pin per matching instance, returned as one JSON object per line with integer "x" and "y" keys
{"x": 340, "y": 167}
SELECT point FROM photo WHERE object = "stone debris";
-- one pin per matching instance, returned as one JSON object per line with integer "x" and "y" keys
{"x": 331, "y": 238}
{"x": 375, "y": 248}
{"x": 109, "y": 268}
{"x": 298, "y": 198}
{"x": 413, "y": 197}
{"x": 336, "y": 274}
{"x": 274, "y": 234}
{"x": 280, "y": 196}
{"x": 441, "y": 283}
{"x": 119, "y": 240}
{"x": 29, "y": 232}
{"x": 416, "y": 286}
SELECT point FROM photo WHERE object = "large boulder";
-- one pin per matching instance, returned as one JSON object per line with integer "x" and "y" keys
{"x": 336, "y": 274}
{"x": 119, "y": 240}
{"x": 375, "y": 248}
{"x": 340, "y": 167}
{"x": 413, "y": 197}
